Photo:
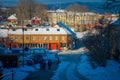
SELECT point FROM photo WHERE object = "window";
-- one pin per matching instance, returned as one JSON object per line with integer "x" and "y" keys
{"x": 33, "y": 37}
{"x": 16, "y": 38}
{"x": 56, "y": 37}
{"x": 36, "y": 29}
{"x": 50, "y": 37}
{"x": 62, "y": 45}
{"x": 27, "y": 37}
{"x": 45, "y": 37}
{"x": 58, "y": 29}
{"x": 25, "y": 29}
{"x": 47, "y": 29}
{"x": 14, "y": 29}
{"x": 63, "y": 37}
{"x": 21, "y": 37}
{"x": 38, "y": 37}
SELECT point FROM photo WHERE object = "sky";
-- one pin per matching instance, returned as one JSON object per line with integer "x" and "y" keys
{"x": 7, "y": 3}
{"x": 53, "y": 1}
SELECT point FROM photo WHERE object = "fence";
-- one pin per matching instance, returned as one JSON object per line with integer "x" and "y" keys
{"x": 7, "y": 74}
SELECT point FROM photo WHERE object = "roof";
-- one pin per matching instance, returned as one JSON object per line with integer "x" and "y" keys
{"x": 67, "y": 28}
{"x": 40, "y": 30}
{"x": 36, "y": 18}
{"x": 3, "y": 33}
{"x": 116, "y": 23}
{"x": 12, "y": 17}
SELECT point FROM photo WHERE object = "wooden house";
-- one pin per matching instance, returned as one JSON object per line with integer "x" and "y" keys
{"x": 51, "y": 38}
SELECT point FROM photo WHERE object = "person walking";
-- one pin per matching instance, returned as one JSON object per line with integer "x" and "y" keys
{"x": 58, "y": 61}
{"x": 49, "y": 64}
{"x": 42, "y": 64}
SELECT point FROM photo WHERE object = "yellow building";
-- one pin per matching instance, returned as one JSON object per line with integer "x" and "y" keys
{"x": 72, "y": 19}
{"x": 39, "y": 37}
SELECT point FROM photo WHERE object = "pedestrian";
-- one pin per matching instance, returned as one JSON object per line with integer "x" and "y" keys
{"x": 40, "y": 64}
{"x": 43, "y": 64}
{"x": 1, "y": 72}
{"x": 49, "y": 64}
{"x": 58, "y": 61}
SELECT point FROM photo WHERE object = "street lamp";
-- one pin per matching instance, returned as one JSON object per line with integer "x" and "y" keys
{"x": 23, "y": 45}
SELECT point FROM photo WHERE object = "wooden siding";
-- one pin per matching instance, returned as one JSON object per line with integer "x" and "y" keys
{"x": 41, "y": 38}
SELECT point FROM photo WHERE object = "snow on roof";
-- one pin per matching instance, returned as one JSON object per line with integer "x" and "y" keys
{"x": 116, "y": 23}
{"x": 36, "y": 18}
{"x": 79, "y": 34}
{"x": 60, "y": 11}
{"x": 3, "y": 33}
{"x": 12, "y": 17}
{"x": 39, "y": 30}
{"x": 67, "y": 28}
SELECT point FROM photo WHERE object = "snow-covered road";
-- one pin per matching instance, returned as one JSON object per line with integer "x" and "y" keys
{"x": 67, "y": 69}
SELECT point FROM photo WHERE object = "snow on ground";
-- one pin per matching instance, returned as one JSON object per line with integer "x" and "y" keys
{"x": 60, "y": 70}
{"x": 81, "y": 50}
{"x": 66, "y": 69}
{"x": 71, "y": 70}
{"x": 110, "y": 72}
{"x": 20, "y": 72}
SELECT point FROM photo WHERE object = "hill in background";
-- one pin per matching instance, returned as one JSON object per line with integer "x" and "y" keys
{"x": 92, "y": 6}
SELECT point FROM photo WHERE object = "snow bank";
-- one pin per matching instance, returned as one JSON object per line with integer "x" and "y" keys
{"x": 60, "y": 70}
{"x": 110, "y": 72}
{"x": 20, "y": 73}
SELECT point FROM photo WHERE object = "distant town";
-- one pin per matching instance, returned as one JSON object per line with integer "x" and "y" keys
{"x": 41, "y": 27}
{"x": 45, "y": 39}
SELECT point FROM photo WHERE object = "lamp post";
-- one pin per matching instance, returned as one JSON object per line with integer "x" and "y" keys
{"x": 23, "y": 45}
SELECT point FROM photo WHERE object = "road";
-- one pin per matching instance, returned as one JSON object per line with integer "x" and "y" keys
{"x": 69, "y": 70}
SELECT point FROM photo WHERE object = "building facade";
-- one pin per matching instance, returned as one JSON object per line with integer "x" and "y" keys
{"x": 77, "y": 20}
{"x": 51, "y": 38}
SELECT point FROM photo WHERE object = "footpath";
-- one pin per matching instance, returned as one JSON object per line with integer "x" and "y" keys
{"x": 42, "y": 75}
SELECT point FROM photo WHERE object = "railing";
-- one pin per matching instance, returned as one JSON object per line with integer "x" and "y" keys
{"x": 10, "y": 73}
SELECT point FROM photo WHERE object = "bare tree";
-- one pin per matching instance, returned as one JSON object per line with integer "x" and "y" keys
{"x": 77, "y": 8}
{"x": 27, "y": 9}
{"x": 41, "y": 11}
{"x": 112, "y": 6}
{"x": 100, "y": 42}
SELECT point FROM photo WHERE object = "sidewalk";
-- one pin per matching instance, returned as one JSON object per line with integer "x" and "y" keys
{"x": 42, "y": 75}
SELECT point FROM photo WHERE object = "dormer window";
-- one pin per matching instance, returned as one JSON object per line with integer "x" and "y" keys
{"x": 47, "y": 29}
{"x": 14, "y": 29}
{"x": 25, "y": 29}
{"x": 58, "y": 29}
{"x": 36, "y": 29}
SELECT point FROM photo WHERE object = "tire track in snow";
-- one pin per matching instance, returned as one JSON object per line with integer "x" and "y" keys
{"x": 60, "y": 73}
{"x": 80, "y": 76}
{"x": 70, "y": 72}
